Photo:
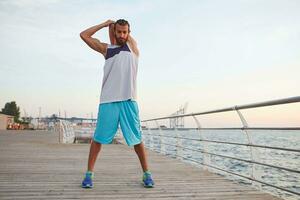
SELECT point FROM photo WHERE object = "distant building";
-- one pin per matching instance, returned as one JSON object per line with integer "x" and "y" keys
{"x": 5, "y": 120}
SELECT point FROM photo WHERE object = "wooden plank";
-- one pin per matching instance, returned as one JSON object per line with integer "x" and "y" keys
{"x": 35, "y": 166}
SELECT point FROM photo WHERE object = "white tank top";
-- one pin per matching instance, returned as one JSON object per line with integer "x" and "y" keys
{"x": 120, "y": 72}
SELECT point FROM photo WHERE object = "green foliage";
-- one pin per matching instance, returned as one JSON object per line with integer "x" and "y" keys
{"x": 11, "y": 108}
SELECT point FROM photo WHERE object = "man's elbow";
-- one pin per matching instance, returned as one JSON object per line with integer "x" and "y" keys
{"x": 82, "y": 35}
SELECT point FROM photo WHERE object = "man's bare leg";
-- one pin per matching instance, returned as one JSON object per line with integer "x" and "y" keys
{"x": 140, "y": 151}
{"x": 147, "y": 177}
{"x": 94, "y": 151}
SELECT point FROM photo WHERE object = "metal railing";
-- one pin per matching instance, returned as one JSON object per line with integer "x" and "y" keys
{"x": 206, "y": 162}
{"x": 65, "y": 131}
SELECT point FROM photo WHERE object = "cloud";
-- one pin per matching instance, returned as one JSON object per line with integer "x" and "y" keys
{"x": 28, "y": 3}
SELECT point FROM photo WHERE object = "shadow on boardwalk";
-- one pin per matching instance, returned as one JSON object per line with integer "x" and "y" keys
{"x": 34, "y": 166}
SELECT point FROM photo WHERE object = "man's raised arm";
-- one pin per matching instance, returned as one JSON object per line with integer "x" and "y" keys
{"x": 111, "y": 33}
{"x": 133, "y": 45}
{"x": 94, "y": 43}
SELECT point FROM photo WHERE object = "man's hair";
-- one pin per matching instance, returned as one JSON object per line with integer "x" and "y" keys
{"x": 122, "y": 22}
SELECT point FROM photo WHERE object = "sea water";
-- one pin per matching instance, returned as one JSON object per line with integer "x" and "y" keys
{"x": 275, "y": 138}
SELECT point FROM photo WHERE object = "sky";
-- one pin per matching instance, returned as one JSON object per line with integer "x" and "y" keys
{"x": 209, "y": 54}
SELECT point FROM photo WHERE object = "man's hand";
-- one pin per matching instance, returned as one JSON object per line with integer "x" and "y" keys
{"x": 109, "y": 22}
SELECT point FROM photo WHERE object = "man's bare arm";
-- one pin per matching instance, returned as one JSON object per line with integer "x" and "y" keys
{"x": 112, "y": 37}
{"x": 133, "y": 45}
{"x": 94, "y": 43}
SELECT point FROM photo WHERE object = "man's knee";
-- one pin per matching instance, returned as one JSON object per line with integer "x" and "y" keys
{"x": 138, "y": 145}
{"x": 96, "y": 144}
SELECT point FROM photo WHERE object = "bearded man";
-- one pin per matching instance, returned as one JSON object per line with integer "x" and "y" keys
{"x": 118, "y": 99}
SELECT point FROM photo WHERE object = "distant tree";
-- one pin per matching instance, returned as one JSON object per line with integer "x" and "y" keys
{"x": 11, "y": 108}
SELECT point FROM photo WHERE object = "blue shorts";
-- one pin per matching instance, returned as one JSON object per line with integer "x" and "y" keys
{"x": 111, "y": 114}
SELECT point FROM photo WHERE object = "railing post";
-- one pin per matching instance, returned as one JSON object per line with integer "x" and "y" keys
{"x": 206, "y": 157}
{"x": 161, "y": 141}
{"x": 150, "y": 138}
{"x": 146, "y": 136}
{"x": 179, "y": 153}
{"x": 64, "y": 131}
{"x": 255, "y": 171}
{"x": 59, "y": 131}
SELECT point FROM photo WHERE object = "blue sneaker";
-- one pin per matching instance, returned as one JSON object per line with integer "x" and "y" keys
{"x": 88, "y": 180}
{"x": 147, "y": 180}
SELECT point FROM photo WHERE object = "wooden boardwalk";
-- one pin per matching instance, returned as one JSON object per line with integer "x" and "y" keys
{"x": 34, "y": 166}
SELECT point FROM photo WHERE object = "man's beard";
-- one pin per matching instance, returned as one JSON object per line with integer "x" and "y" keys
{"x": 121, "y": 41}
